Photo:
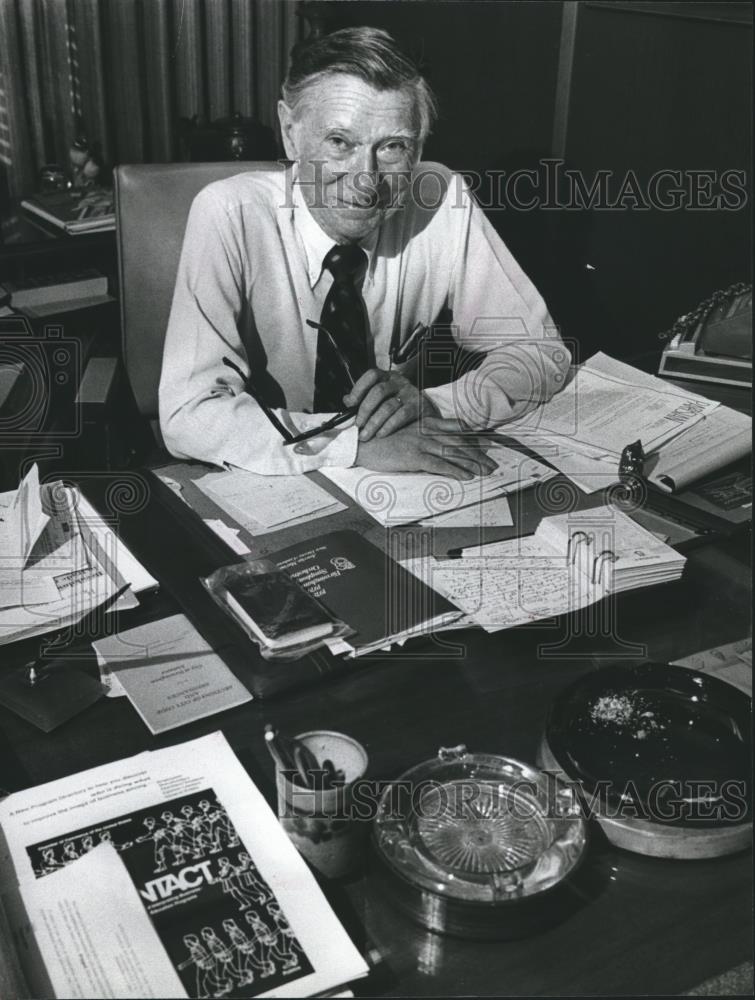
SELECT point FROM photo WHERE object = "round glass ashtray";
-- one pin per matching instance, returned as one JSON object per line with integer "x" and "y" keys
{"x": 468, "y": 837}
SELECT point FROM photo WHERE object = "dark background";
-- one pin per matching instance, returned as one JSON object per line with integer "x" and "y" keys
{"x": 653, "y": 86}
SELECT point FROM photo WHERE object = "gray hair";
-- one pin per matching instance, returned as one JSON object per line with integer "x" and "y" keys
{"x": 368, "y": 53}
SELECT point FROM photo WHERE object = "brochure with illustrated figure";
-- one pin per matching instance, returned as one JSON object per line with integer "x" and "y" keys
{"x": 165, "y": 875}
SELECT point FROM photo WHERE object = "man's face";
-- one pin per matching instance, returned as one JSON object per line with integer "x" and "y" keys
{"x": 355, "y": 146}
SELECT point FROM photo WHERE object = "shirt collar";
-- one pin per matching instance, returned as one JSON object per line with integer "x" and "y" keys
{"x": 317, "y": 243}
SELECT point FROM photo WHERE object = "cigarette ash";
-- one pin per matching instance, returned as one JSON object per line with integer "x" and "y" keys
{"x": 622, "y": 711}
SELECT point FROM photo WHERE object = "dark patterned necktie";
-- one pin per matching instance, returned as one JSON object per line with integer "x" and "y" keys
{"x": 345, "y": 319}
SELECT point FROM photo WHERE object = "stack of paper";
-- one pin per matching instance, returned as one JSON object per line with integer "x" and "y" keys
{"x": 165, "y": 874}
{"x": 58, "y": 560}
{"x": 606, "y": 406}
{"x": 572, "y": 561}
{"x": 404, "y": 497}
{"x": 721, "y": 437}
{"x": 267, "y": 503}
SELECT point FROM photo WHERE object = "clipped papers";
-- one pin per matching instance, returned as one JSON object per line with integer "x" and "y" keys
{"x": 572, "y": 561}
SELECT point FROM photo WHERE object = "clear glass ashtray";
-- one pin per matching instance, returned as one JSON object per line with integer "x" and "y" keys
{"x": 479, "y": 828}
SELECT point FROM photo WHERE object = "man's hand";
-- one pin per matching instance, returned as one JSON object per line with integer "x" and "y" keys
{"x": 387, "y": 401}
{"x": 434, "y": 445}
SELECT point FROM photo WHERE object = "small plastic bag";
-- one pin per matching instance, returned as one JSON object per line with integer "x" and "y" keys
{"x": 273, "y": 605}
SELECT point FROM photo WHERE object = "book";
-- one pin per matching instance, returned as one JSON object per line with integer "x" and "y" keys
{"x": 75, "y": 212}
{"x": 40, "y": 290}
{"x": 366, "y": 588}
{"x": 165, "y": 874}
{"x": 277, "y": 609}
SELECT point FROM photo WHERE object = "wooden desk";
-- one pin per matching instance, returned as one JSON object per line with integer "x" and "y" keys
{"x": 646, "y": 925}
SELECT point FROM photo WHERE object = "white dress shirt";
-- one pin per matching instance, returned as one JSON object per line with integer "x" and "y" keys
{"x": 251, "y": 274}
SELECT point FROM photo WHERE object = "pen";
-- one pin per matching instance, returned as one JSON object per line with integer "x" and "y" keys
{"x": 410, "y": 348}
{"x": 277, "y": 751}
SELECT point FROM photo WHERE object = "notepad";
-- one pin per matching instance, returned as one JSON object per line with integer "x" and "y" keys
{"x": 264, "y": 503}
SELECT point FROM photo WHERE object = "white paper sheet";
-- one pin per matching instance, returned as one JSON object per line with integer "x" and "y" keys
{"x": 22, "y": 521}
{"x": 25, "y": 588}
{"x": 404, "y": 497}
{"x": 169, "y": 673}
{"x": 488, "y": 514}
{"x": 518, "y": 580}
{"x": 271, "y": 501}
{"x": 731, "y": 662}
{"x": 229, "y": 535}
{"x": 522, "y": 584}
{"x": 92, "y": 948}
{"x": 721, "y": 437}
{"x": 84, "y": 584}
{"x": 608, "y": 405}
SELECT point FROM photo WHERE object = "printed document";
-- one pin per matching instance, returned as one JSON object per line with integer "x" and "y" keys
{"x": 721, "y": 437}
{"x": 100, "y": 950}
{"x": 235, "y": 909}
{"x": 606, "y": 406}
{"x": 169, "y": 673}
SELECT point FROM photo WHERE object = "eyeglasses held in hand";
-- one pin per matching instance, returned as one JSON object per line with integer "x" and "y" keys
{"x": 285, "y": 433}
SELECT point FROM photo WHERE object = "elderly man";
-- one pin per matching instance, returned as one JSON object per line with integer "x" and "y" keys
{"x": 302, "y": 292}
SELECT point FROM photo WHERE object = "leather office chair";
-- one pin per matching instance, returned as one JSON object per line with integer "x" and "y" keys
{"x": 152, "y": 203}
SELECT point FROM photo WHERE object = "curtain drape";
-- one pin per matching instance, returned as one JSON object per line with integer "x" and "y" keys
{"x": 126, "y": 71}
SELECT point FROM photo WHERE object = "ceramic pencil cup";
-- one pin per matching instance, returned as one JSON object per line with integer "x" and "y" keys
{"x": 321, "y": 821}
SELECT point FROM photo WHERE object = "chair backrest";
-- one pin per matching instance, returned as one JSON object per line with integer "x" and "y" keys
{"x": 152, "y": 203}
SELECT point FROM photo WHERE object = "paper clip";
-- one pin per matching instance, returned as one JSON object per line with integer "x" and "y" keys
{"x": 599, "y": 562}
{"x": 572, "y": 547}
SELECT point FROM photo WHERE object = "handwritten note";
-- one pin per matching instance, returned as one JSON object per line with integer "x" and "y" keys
{"x": 521, "y": 585}
{"x": 269, "y": 501}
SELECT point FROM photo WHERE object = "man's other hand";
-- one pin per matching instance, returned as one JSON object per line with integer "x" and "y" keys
{"x": 432, "y": 445}
{"x": 387, "y": 401}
